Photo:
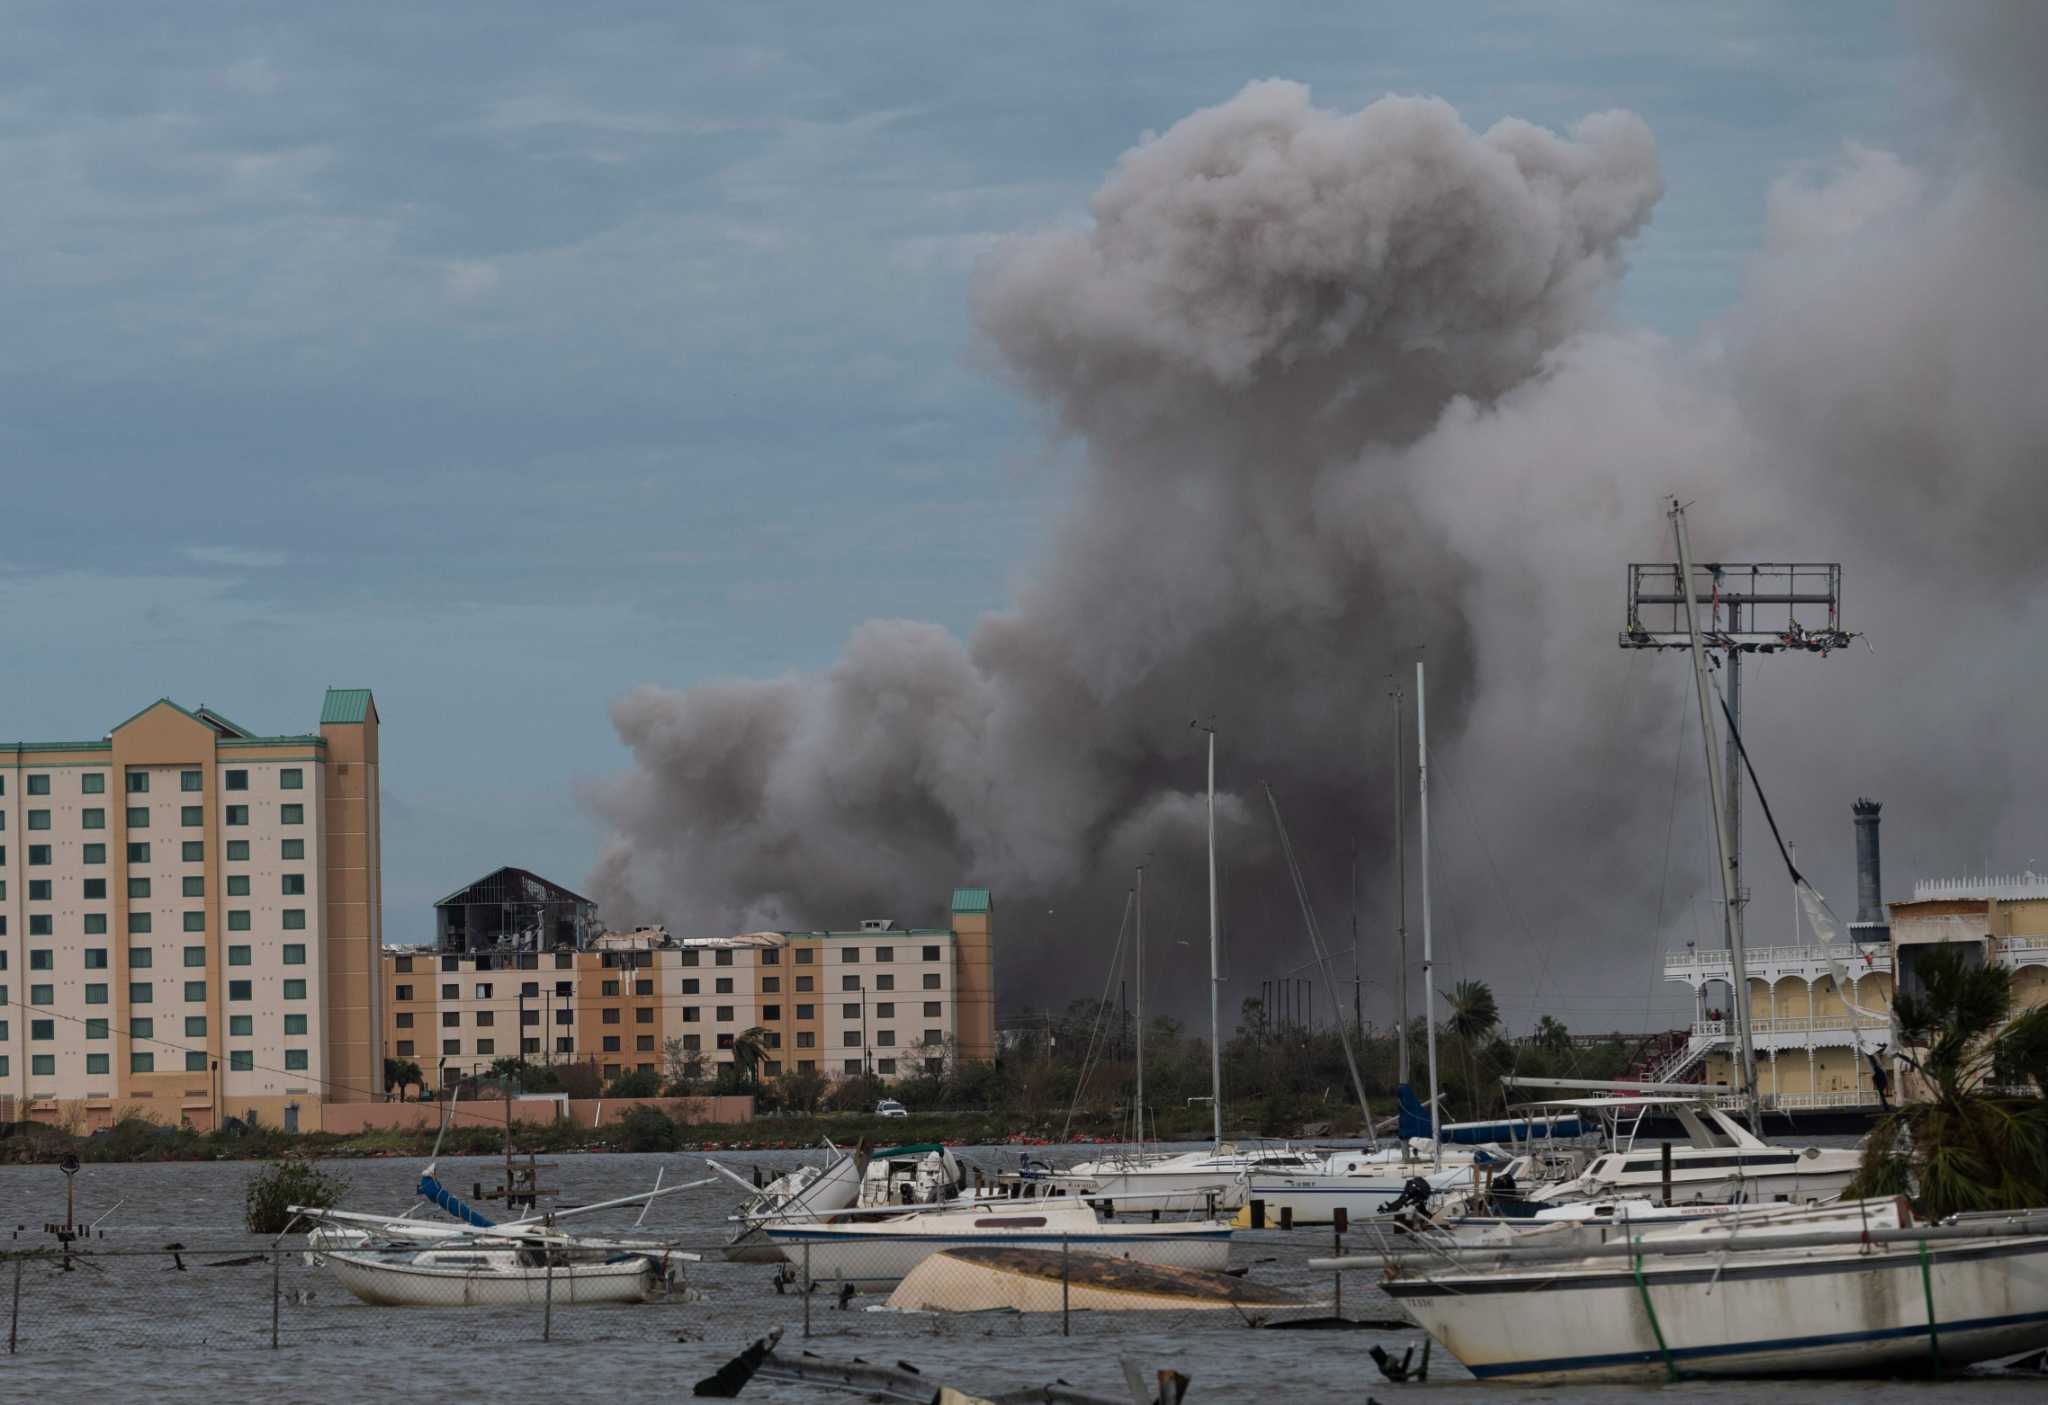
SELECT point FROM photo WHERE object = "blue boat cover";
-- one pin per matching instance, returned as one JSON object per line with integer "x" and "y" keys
{"x": 1415, "y": 1123}
{"x": 438, "y": 1195}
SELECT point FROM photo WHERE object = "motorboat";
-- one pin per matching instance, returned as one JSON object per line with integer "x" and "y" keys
{"x": 496, "y": 1272}
{"x": 861, "y": 1249}
{"x": 1205, "y": 1180}
{"x": 807, "y": 1192}
{"x": 1721, "y": 1161}
{"x": 1857, "y": 1287}
{"x": 1359, "y": 1183}
{"x": 924, "y": 1173}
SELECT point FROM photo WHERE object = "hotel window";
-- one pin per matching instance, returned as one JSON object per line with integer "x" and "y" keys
{"x": 885, "y": 1067}
{"x": 849, "y": 982}
{"x": 885, "y": 1011}
{"x": 885, "y": 1037}
{"x": 39, "y": 925}
{"x": 724, "y": 986}
{"x": 931, "y": 980}
{"x": 771, "y": 957}
{"x": 295, "y": 919}
{"x": 42, "y": 995}
{"x": 44, "y": 1064}
{"x": 295, "y": 990}
{"x": 241, "y": 1061}
{"x": 721, "y": 958}
{"x": 94, "y": 818}
{"x": 565, "y": 989}
{"x": 931, "y": 1009}
{"x": 451, "y": 1019}
{"x": 486, "y": 1047}
{"x": 44, "y": 1030}
{"x": 610, "y": 1017}
{"x": 195, "y": 992}
{"x": 803, "y": 956}
{"x": 690, "y": 1014}
{"x": 403, "y": 965}
{"x": 690, "y": 986}
{"x": 92, "y": 783}
{"x": 241, "y": 1026}
{"x": 237, "y": 955}
{"x": 771, "y": 1012}
{"x": 137, "y": 853}
{"x": 294, "y": 885}
{"x": 848, "y": 955}
{"x": 141, "y": 993}
{"x": 192, "y": 851}
{"x": 138, "y": 887}
{"x": 192, "y": 886}
{"x": 931, "y": 953}
{"x": 95, "y": 925}
{"x": 141, "y": 1062}
{"x": 853, "y": 1065}
{"x": 41, "y": 960}
{"x": 239, "y": 990}
{"x": 485, "y": 1019}
{"x": 803, "y": 983}
{"x": 238, "y": 814}
{"x": 849, "y": 1012}
{"x": 689, "y": 958}
{"x": 39, "y": 890}
{"x": 96, "y": 994}
{"x": 191, "y": 782}
{"x": 405, "y": 1048}
{"x": 195, "y": 1061}
{"x": 771, "y": 985}
{"x": 404, "y": 1019}
{"x": 195, "y": 921}
{"x": 138, "y": 923}
{"x": 94, "y": 1029}
{"x": 95, "y": 958}
{"x": 608, "y": 990}
{"x": 40, "y": 819}
{"x": 292, "y": 849}
{"x": 451, "y": 990}
{"x": 294, "y": 953}
{"x": 294, "y": 1024}
{"x": 643, "y": 987}
{"x": 291, "y": 814}
{"x": 238, "y": 919}
{"x": 238, "y": 780}
{"x": 38, "y": 785}
{"x": 195, "y": 1026}
{"x": 39, "y": 855}
{"x": 138, "y": 782}
{"x": 291, "y": 778}
{"x": 644, "y": 1015}
{"x": 885, "y": 953}
{"x": 611, "y": 1044}
{"x": 94, "y": 854}
{"x": 191, "y": 816}
{"x": 95, "y": 1064}
{"x": 807, "y": 1012}
{"x": 643, "y": 1043}
{"x": 451, "y": 1046}
{"x": 932, "y": 1036}
{"x": 238, "y": 885}
{"x": 138, "y": 817}
{"x": 139, "y": 958}
{"x": 238, "y": 851}
{"x": 725, "y": 1041}
{"x": 144, "y": 1028}
{"x": 885, "y": 981}
{"x": 403, "y": 992}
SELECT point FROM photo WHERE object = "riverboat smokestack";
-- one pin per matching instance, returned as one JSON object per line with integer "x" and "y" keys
{"x": 1869, "y": 869}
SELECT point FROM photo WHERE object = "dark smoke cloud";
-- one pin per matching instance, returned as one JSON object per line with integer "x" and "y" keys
{"x": 1345, "y": 387}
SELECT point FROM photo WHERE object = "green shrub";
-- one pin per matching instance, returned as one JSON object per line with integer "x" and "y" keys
{"x": 634, "y": 1085}
{"x": 282, "y": 1184}
{"x": 648, "y": 1129}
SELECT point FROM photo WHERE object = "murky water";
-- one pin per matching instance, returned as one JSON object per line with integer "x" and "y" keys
{"x": 198, "y": 1331}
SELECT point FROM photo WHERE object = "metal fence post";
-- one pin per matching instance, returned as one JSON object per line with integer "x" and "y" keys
{"x": 1066, "y": 1277}
{"x": 14, "y": 1315}
{"x": 276, "y": 1290}
{"x": 547, "y": 1311}
{"x": 1338, "y": 1273}
{"x": 806, "y": 1289}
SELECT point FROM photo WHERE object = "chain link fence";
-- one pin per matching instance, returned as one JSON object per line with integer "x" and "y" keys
{"x": 99, "y": 1299}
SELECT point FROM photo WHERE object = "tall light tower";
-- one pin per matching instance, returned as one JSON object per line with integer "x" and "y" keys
{"x": 1751, "y": 608}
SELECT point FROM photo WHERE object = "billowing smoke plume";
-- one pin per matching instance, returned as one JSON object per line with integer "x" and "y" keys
{"x": 1345, "y": 388}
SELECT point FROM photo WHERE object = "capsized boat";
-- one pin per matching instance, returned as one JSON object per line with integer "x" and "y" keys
{"x": 998, "y": 1277}
{"x": 808, "y": 1192}
{"x": 1858, "y": 1287}
{"x": 496, "y": 1272}
{"x": 854, "y": 1249}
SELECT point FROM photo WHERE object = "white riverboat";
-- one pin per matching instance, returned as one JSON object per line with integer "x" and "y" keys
{"x": 1854, "y": 1288}
{"x": 860, "y": 1250}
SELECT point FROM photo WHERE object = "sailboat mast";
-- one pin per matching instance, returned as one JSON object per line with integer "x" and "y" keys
{"x": 1400, "y": 892}
{"x": 1745, "y": 1075}
{"x": 1215, "y": 973}
{"x": 1139, "y": 1100}
{"x": 1436, "y": 1145}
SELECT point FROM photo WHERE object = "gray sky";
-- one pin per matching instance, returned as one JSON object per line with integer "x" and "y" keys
{"x": 503, "y": 357}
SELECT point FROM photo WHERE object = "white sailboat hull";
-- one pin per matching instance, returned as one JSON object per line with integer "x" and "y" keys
{"x": 1315, "y": 1199}
{"x": 1841, "y": 1311}
{"x": 880, "y": 1254}
{"x": 385, "y": 1282}
{"x": 1138, "y": 1190}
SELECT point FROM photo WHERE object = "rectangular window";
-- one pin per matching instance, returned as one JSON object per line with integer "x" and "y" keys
{"x": 807, "y": 1012}
{"x": 295, "y": 919}
{"x": 803, "y": 983}
{"x": 195, "y": 1026}
{"x": 238, "y": 851}
{"x": 291, "y": 778}
{"x": 885, "y": 1037}
{"x": 191, "y": 782}
{"x": 405, "y": 1048}
{"x": 42, "y": 1064}
{"x": 238, "y": 919}
{"x": 849, "y": 982}
{"x": 853, "y": 1065}
{"x": 238, "y": 990}
{"x": 931, "y": 1009}
{"x": 294, "y": 1024}
{"x": 885, "y": 981}
{"x": 141, "y": 1061}
{"x": 193, "y": 886}
{"x": 144, "y": 1028}
{"x": 885, "y": 1011}
{"x": 291, "y": 814}
{"x": 39, "y": 855}
{"x": 885, "y": 1067}
{"x": 690, "y": 986}
{"x": 192, "y": 816}
{"x": 138, "y": 853}
{"x": 42, "y": 1030}
{"x": 295, "y": 990}
{"x": 93, "y": 783}
{"x": 141, "y": 993}
{"x": 771, "y": 1012}
{"x": 39, "y": 890}
{"x": 94, "y": 818}
{"x": 238, "y": 885}
{"x": 806, "y": 1039}
{"x": 139, "y": 958}
{"x": 195, "y": 921}
{"x": 138, "y": 923}
{"x": 931, "y": 980}
{"x": 611, "y": 1044}
{"x": 41, "y": 960}
{"x": 403, "y": 965}
{"x": 725, "y": 1041}
{"x": 238, "y": 815}
{"x": 192, "y": 851}
{"x": 241, "y": 1061}
{"x": 95, "y": 890}
{"x": 138, "y": 887}
{"x": 42, "y": 995}
{"x": 241, "y": 1026}
{"x": 38, "y": 785}
{"x": 848, "y": 955}
{"x": 95, "y": 958}
{"x": 95, "y": 924}
{"x": 94, "y": 854}
{"x": 39, "y": 925}
{"x": 932, "y": 1037}
{"x": 237, "y": 780}
{"x": 292, "y": 849}
{"x": 885, "y": 953}
{"x": 96, "y": 994}
{"x": 195, "y": 992}
{"x": 931, "y": 953}
{"x": 849, "y": 1012}
{"x": 691, "y": 1014}
{"x": 771, "y": 957}
{"x": 451, "y": 1046}
{"x": 237, "y": 956}
{"x": 486, "y": 1018}
{"x": 295, "y": 1059}
{"x": 405, "y": 1019}
{"x": 96, "y": 1029}
{"x": 294, "y": 885}
{"x": 38, "y": 819}
{"x": 724, "y": 1012}
{"x": 138, "y": 782}
{"x": 643, "y": 1043}
{"x": 294, "y": 953}
{"x": 195, "y": 1061}
{"x": 724, "y": 984}
{"x": 722, "y": 957}
{"x": 450, "y": 991}
{"x": 138, "y": 817}
{"x": 689, "y": 958}
{"x": 610, "y": 1017}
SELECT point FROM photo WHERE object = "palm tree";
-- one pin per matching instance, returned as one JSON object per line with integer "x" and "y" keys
{"x": 1474, "y": 1015}
{"x": 402, "y": 1074}
{"x": 749, "y": 1051}
{"x": 1552, "y": 1035}
{"x": 1971, "y": 1140}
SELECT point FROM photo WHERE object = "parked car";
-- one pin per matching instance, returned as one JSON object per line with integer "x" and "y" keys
{"x": 889, "y": 1107}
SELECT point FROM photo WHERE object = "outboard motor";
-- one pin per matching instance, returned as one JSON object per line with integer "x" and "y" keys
{"x": 1416, "y": 1193}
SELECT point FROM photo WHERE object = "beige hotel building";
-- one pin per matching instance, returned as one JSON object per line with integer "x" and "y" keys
{"x": 189, "y": 920}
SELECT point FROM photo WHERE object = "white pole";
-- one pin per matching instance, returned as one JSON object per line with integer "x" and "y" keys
{"x": 1428, "y": 941}
{"x": 1139, "y": 1101}
{"x": 1215, "y": 974}
{"x": 1400, "y": 896}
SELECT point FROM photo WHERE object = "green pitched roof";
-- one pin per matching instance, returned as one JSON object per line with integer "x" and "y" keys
{"x": 970, "y": 900}
{"x": 345, "y": 705}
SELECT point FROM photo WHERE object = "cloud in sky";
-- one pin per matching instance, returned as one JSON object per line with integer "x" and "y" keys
{"x": 237, "y": 557}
